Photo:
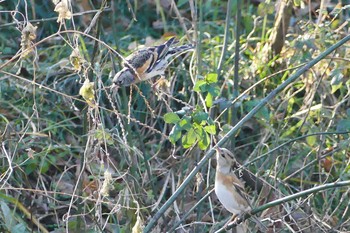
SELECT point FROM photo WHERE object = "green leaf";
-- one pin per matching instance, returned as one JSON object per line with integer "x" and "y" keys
{"x": 171, "y": 118}
{"x": 185, "y": 123}
{"x": 214, "y": 90}
{"x": 265, "y": 9}
{"x": 19, "y": 228}
{"x": 104, "y": 136}
{"x": 211, "y": 129}
{"x": 211, "y": 78}
{"x": 297, "y": 2}
{"x": 189, "y": 139}
{"x": 343, "y": 125}
{"x": 45, "y": 165}
{"x": 204, "y": 140}
{"x": 336, "y": 87}
{"x": 292, "y": 129}
{"x": 204, "y": 88}
{"x": 337, "y": 77}
{"x": 181, "y": 2}
{"x": 198, "y": 85}
{"x": 31, "y": 165}
{"x": 209, "y": 100}
{"x": 311, "y": 140}
{"x": 175, "y": 134}
{"x": 200, "y": 117}
{"x": 7, "y": 215}
{"x": 263, "y": 113}
{"x": 210, "y": 121}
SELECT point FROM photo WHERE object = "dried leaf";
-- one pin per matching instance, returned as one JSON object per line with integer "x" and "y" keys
{"x": 28, "y": 35}
{"x": 88, "y": 93}
{"x": 138, "y": 227}
{"x": 63, "y": 11}
{"x": 107, "y": 183}
{"x": 76, "y": 59}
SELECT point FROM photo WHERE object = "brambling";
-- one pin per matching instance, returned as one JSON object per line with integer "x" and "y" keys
{"x": 147, "y": 63}
{"x": 229, "y": 188}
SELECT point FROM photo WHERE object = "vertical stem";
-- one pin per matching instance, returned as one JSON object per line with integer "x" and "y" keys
{"x": 263, "y": 31}
{"x": 237, "y": 46}
{"x": 227, "y": 28}
{"x": 235, "y": 89}
{"x": 81, "y": 168}
{"x": 199, "y": 45}
{"x": 162, "y": 15}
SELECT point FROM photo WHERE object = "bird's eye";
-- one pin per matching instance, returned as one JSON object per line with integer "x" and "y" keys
{"x": 119, "y": 82}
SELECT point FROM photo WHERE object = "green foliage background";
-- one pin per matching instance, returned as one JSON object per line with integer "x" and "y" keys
{"x": 108, "y": 165}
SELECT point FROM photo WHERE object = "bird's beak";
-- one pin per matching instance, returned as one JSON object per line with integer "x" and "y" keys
{"x": 218, "y": 149}
{"x": 114, "y": 86}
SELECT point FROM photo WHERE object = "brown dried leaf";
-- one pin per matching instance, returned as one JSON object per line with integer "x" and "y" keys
{"x": 76, "y": 59}
{"x": 63, "y": 11}
{"x": 88, "y": 93}
{"x": 28, "y": 35}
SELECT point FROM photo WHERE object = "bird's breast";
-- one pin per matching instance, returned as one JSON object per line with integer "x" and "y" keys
{"x": 228, "y": 197}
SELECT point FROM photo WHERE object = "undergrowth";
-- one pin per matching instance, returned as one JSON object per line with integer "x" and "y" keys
{"x": 80, "y": 156}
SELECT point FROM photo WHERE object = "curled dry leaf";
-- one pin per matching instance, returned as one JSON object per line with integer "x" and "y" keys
{"x": 107, "y": 183}
{"x": 30, "y": 153}
{"x": 28, "y": 35}
{"x": 76, "y": 60}
{"x": 327, "y": 163}
{"x": 63, "y": 11}
{"x": 138, "y": 227}
{"x": 88, "y": 93}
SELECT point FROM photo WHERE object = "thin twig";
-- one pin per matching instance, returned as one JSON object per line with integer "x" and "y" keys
{"x": 173, "y": 228}
{"x": 55, "y": 18}
{"x": 290, "y": 141}
{"x": 83, "y": 101}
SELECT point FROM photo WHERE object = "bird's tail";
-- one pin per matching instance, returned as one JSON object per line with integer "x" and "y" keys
{"x": 180, "y": 49}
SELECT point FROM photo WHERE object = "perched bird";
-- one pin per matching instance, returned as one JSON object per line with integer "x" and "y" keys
{"x": 147, "y": 63}
{"x": 229, "y": 188}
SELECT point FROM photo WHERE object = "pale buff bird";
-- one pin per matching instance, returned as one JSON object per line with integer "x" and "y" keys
{"x": 230, "y": 189}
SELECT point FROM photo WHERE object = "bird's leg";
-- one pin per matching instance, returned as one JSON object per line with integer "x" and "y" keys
{"x": 162, "y": 76}
{"x": 232, "y": 220}
{"x": 161, "y": 86}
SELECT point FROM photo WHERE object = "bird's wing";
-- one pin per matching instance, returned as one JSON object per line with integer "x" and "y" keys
{"x": 145, "y": 59}
{"x": 160, "y": 52}
{"x": 180, "y": 49}
{"x": 140, "y": 60}
{"x": 239, "y": 188}
{"x": 163, "y": 49}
